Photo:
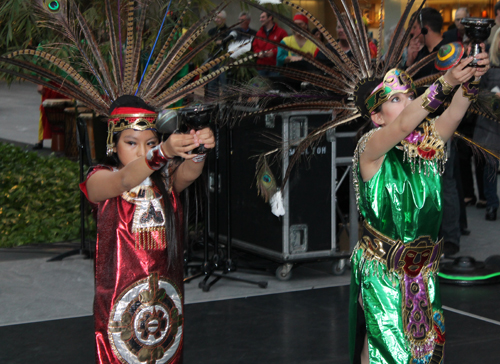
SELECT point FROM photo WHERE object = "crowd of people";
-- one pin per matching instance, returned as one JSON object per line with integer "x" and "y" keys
{"x": 265, "y": 38}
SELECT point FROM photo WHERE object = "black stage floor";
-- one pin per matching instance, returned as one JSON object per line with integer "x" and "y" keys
{"x": 296, "y": 327}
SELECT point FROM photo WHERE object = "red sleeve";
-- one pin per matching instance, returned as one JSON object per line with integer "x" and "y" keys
{"x": 316, "y": 52}
{"x": 255, "y": 46}
{"x": 92, "y": 170}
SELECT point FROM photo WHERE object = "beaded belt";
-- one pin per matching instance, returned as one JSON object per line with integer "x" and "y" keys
{"x": 410, "y": 257}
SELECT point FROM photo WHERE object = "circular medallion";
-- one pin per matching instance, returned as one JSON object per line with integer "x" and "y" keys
{"x": 449, "y": 55}
{"x": 146, "y": 322}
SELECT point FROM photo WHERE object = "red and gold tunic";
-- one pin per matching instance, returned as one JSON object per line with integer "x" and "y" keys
{"x": 138, "y": 306}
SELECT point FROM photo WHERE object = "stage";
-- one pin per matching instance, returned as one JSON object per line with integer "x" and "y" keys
{"x": 46, "y": 314}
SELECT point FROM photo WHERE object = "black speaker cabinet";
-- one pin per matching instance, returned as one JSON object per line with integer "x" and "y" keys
{"x": 318, "y": 197}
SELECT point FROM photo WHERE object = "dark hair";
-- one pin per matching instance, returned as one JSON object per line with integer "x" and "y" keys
{"x": 497, "y": 8}
{"x": 316, "y": 30}
{"x": 268, "y": 15}
{"x": 432, "y": 19}
{"x": 369, "y": 125}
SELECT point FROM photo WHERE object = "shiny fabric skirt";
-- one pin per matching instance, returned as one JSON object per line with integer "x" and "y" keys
{"x": 399, "y": 331}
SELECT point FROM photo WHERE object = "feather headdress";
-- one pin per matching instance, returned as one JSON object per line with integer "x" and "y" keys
{"x": 98, "y": 78}
{"x": 344, "y": 85}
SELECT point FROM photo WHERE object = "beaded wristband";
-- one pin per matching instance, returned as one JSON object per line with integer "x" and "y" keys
{"x": 199, "y": 158}
{"x": 436, "y": 94}
{"x": 156, "y": 159}
{"x": 470, "y": 90}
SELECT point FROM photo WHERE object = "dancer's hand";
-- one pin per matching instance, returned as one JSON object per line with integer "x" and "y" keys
{"x": 181, "y": 144}
{"x": 482, "y": 60}
{"x": 460, "y": 73}
{"x": 178, "y": 145}
{"x": 206, "y": 137}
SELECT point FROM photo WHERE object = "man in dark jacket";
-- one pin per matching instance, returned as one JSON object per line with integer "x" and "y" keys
{"x": 457, "y": 34}
{"x": 244, "y": 30}
{"x": 430, "y": 22}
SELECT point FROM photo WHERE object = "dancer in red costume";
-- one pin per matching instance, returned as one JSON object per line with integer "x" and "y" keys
{"x": 138, "y": 305}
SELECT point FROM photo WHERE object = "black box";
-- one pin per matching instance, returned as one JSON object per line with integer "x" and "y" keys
{"x": 314, "y": 208}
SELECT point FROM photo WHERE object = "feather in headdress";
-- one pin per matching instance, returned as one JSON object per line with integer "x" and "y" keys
{"x": 266, "y": 183}
{"x": 342, "y": 84}
{"x": 108, "y": 78}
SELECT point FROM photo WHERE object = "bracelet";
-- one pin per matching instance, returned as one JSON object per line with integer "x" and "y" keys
{"x": 156, "y": 159}
{"x": 436, "y": 94}
{"x": 470, "y": 90}
{"x": 200, "y": 158}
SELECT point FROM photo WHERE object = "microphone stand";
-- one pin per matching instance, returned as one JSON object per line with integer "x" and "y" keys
{"x": 229, "y": 265}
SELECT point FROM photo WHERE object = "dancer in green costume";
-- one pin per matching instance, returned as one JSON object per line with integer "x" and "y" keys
{"x": 395, "y": 308}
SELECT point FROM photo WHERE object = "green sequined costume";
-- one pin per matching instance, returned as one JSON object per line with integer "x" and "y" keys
{"x": 394, "y": 264}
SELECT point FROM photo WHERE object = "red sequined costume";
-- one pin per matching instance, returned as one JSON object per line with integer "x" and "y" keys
{"x": 138, "y": 306}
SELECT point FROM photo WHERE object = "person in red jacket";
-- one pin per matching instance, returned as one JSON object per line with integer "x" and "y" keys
{"x": 269, "y": 30}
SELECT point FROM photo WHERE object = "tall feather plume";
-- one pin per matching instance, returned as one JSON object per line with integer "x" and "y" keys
{"x": 164, "y": 100}
{"x": 405, "y": 39}
{"x": 92, "y": 44}
{"x": 391, "y": 50}
{"x": 72, "y": 78}
{"x": 178, "y": 50}
{"x": 381, "y": 26}
{"x": 326, "y": 34}
{"x": 353, "y": 38}
{"x": 115, "y": 46}
{"x": 85, "y": 85}
{"x": 129, "y": 78}
{"x": 62, "y": 21}
{"x": 360, "y": 36}
{"x": 233, "y": 52}
{"x": 136, "y": 54}
{"x": 163, "y": 51}
{"x": 348, "y": 67}
{"x": 181, "y": 60}
{"x": 64, "y": 87}
{"x": 338, "y": 77}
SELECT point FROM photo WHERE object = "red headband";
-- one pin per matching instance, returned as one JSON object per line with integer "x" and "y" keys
{"x": 131, "y": 110}
{"x": 301, "y": 17}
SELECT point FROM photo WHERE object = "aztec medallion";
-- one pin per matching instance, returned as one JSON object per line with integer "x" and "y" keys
{"x": 146, "y": 323}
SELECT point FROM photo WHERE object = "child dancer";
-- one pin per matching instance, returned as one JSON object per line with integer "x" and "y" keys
{"x": 138, "y": 305}
{"x": 395, "y": 307}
